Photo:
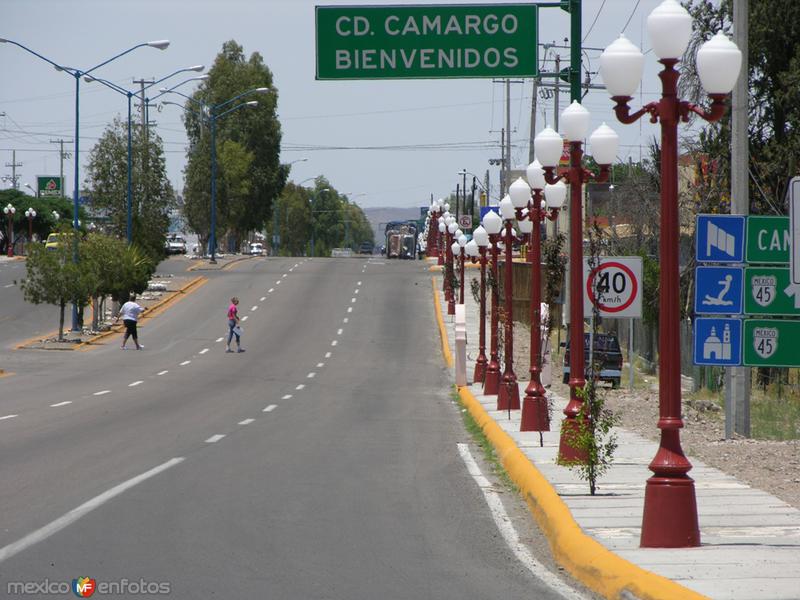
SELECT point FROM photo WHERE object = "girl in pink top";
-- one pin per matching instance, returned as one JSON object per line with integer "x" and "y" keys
{"x": 233, "y": 325}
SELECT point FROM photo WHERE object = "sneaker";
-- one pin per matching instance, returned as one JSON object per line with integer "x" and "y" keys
{"x": 240, "y": 350}
{"x": 228, "y": 350}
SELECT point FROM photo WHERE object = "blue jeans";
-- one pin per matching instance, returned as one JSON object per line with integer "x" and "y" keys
{"x": 231, "y": 332}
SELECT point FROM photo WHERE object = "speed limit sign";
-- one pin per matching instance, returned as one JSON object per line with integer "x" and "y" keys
{"x": 465, "y": 222}
{"x": 613, "y": 285}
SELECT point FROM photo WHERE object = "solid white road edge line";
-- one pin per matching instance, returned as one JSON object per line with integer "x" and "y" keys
{"x": 215, "y": 438}
{"x": 246, "y": 422}
{"x": 76, "y": 513}
{"x": 510, "y": 535}
{"x": 61, "y": 403}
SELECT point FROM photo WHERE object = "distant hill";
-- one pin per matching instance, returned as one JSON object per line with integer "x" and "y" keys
{"x": 378, "y": 217}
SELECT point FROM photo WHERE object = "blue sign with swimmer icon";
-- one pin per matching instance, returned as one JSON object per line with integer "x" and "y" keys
{"x": 718, "y": 290}
{"x": 717, "y": 342}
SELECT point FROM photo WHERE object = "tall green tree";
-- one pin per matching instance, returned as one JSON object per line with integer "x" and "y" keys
{"x": 249, "y": 174}
{"x": 152, "y": 197}
{"x": 293, "y": 219}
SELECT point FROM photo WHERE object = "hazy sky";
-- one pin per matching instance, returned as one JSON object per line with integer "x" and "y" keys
{"x": 382, "y": 130}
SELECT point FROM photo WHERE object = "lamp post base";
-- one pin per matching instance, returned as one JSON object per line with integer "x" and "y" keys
{"x": 669, "y": 519}
{"x": 508, "y": 394}
{"x": 535, "y": 413}
{"x": 479, "y": 374}
{"x": 491, "y": 383}
{"x": 567, "y": 452}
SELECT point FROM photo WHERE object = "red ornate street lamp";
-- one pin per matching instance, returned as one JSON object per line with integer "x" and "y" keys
{"x": 481, "y": 239}
{"x": 669, "y": 517}
{"x": 9, "y": 212}
{"x": 508, "y": 396}
{"x": 461, "y": 240}
{"x": 535, "y": 414}
{"x": 492, "y": 223}
{"x": 549, "y": 146}
{"x": 31, "y": 214}
{"x": 452, "y": 228}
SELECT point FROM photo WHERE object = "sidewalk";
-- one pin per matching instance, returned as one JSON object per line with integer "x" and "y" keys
{"x": 750, "y": 540}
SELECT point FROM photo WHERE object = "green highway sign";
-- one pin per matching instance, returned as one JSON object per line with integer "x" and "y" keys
{"x": 427, "y": 41}
{"x": 769, "y": 240}
{"x": 771, "y": 343}
{"x": 769, "y": 291}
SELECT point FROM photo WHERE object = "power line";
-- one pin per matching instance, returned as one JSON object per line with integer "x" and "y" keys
{"x": 595, "y": 21}
{"x": 633, "y": 12}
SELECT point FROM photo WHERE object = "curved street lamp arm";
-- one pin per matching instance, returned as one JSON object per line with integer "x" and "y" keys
{"x": 44, "y": 58}
{"x": 117, "y": 88}
{"x": 260, "y": 90}
{"x": 200, "y": 115}
{"x": 237, "y": 107}
{"x": 197, "y": 68}
{"x": 189, "y": 98}
{"x": 105, "y": 62}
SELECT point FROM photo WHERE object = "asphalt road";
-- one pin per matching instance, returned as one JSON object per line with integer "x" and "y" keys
{"x": 320, "y": 463}
{"x": 18, "y": 319}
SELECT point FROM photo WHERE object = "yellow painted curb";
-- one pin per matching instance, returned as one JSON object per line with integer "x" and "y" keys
{"x": 435, "y": 268}
{"x": 448, "y": 357}
{"x": 5, "y": 373}
{"x": 586, "y": 559}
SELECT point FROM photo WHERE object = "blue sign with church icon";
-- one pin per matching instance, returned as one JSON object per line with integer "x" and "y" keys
{"x": 718, "y": 290}
{"x": 717, "y": 342}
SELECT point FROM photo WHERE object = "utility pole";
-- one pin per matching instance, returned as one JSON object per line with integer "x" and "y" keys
{"x": 145, "y": 146}
{"x": 508, "y": 137}
{"x": 61, "y": 155}
{"x": 14, "y": 164}
{"x": 532, "y": 134}
{"x": 557, "y": 93}
{"x": 737, "y": 379}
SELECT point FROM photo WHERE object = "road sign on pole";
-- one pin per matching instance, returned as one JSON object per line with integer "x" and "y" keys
{"x": 614, "y": 286}
{"x": 465, "y": 222}
{"x": 427, "y": 41}
{"x": 769, "y": 291}
{"x": 720, "y": 238}
{"x": 717, "y": 342}
{"x": 794, "y": 228}
{"x": 768, "y": 240}
{"x": 718, "y": 290}
{"x": 771, "y": 343}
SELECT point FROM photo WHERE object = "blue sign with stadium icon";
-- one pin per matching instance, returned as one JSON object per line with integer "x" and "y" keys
{"x": 717, "y": 342}
{"x": 720, "y": 238}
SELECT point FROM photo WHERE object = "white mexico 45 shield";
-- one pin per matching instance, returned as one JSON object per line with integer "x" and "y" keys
{"x": 764, "y": 289}
{"x": 765, "y": 341}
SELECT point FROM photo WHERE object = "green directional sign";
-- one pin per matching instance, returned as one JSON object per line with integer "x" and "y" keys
{"x": 769, "y": 291}
{"x": 427, "y": 42}
{"x": 771, "y": 343}
{"x": 769, "y": 240}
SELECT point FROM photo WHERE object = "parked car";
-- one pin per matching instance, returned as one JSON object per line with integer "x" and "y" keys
{"x": 175, "y": 244}
{"x": 51, "y": 243}
{"x": 257, "y": 249}
{"x": 607, "y": 358}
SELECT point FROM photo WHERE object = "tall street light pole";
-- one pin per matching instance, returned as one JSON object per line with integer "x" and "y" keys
{"x": 508, "y": 394}
{"x": 669, "y": 517}
{"x": 77, "y": 74}
{"x": 549, "y": 146}
{"x": 9, "y": 211}
{"x": 492, "y": 223}
{"x": 129, "y": 94}
{"x": 211, "y": 114}
{"x": 535, "y": 413}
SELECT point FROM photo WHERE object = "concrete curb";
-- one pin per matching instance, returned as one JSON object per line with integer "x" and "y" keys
{"x": 448, "y": 356}
{"x": 204, "y": 266}
{"x": 586, "y": 559}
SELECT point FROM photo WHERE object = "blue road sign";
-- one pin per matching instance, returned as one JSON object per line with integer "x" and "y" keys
{"x": 720, "y": 238}
{"x": 718, "y": 290}
{"x": 717, "y": 342}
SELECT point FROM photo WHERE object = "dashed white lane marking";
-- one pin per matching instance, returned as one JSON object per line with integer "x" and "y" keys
{"x": 296, "y": 266}
{"x": 355, "y": 291}
{"x": 57, "y": 404}
{"x": 339, "y": 331}
{"x": 345, "y": 320}
{"x": 85, "y": 508}
{"x": 334, "y": 342}
{"x": 163, "y": 372}
{"x": 270, "y": 408}
{"x": 254, "y": 308}
{"x": 184, "y": 363}
{"x": 270, "y": 290}
{"x": 278, "y": 282}
{"x": 102, "y": 393}
{"x": 349, "y": 309}
{"x": 245, "y": 422}
{"x": 311, "y": 375}
{"x": 203, "y": 351}
{"x": 219, "y": 339}
{"x": 510, "y": 534}
{"x": 359, "y": 283}
{"x": 352, "y": 301}
{"x": 327, "y": 355}
{"x": 262, "y": 298}
{"x": 244, "y": 318}
{"x": 286, "y": 397}
{"x": 300, "y": 386}
{"x": 284, "y": 275}
{"x": 8, "y": 417}
{"x": 320, "y": 365}
{"x": 135, "y": 383}
{"x": 215, "y": 438}
{"x": 9, "y": 285}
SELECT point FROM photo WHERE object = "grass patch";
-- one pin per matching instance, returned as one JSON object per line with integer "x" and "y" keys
{"x": 489, "y": 455}
{"x": 773, "y": 417}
